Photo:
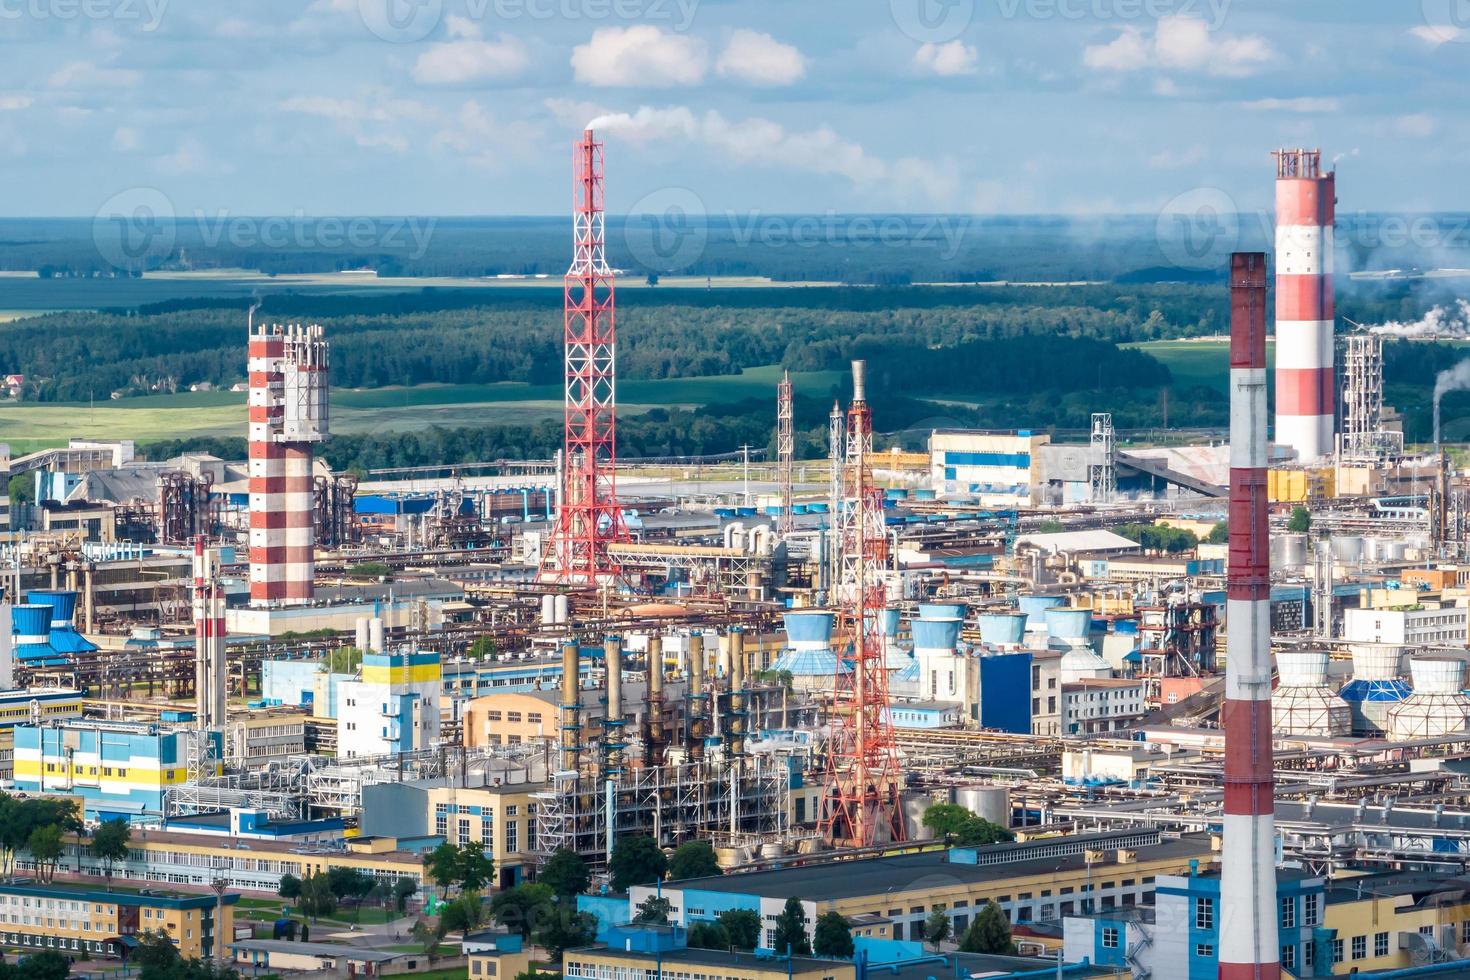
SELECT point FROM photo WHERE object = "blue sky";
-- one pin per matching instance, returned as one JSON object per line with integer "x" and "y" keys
{"x": 353, "y": 107}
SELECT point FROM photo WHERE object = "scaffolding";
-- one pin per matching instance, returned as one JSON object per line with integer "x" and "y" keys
{"x": 336, "y": 524}
{"x": 185, "y": 507}
{"x": 785, "y": 449}
{"x": 1102, "y": 473}
{"x": 670, "y": 803}
{"x": 1177, "y": 639}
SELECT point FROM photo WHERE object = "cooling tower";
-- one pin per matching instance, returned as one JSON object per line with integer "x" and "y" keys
{"x": 1437, "y": 706}
{"x": 1376, "y": 687}
{"x": 31, "y": 623}
{"x": 1068, "y": 625}
{"x": 64, "y": 636}
{"x": 808, "y": 656}
{"x": 1303, "y": 703}
{"x": 1003, "y": 629}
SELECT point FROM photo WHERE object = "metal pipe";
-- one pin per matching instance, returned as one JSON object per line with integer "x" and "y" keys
{"x": 653, "y": 752}
{"x": 571, "y": 706}
{"x": 696, "y": 696}
{"x": 612, "y": 655}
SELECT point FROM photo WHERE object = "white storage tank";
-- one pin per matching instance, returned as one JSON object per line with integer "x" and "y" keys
{"x": 1289, "y": 552}
{"x": 1347, "y": 548}
{"x": 985, "y": 800}
{"x": 1303, "y": 703}
{"x": 1437, "y": 707}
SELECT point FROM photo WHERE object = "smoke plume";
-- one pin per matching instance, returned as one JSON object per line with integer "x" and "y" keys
{"x": 1456, "y": 378}
{"x": 1442, "y": 321}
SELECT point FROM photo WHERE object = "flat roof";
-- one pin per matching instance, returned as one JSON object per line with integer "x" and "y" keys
{"x": 154, "y": 898}
{"x": 321, "y": 949}
{"x": 925, "y": 869}
{"x": 273, "y": 846}
{"x": 718, "y": 957}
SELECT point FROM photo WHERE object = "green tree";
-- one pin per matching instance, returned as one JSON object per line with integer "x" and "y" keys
{"x": 110, "y": 845}
{"x": 693, "y": 859}
{"x": 1300, "y": 521}
{"x": 403, "y": 888}
{"x": 977, "y": 832}
{"x": 936, "y": 927}
{"x": 480, "y": 649}
{"x": 708, "y": 935}
{"x": 791, "y": 937}
{"x": 463, "y": 915}
{"x": 46, "y": 846}
{"x": 563, "y": 929}
{"x": 442, "y": 864}
{"x": 290, "y": 887}
{"x": 1219, "y": 534}
{"x": 743, "y": 926}
{"x": 832, "y": 936}
{"x": 475, "y": 867}
{"x": 317, "y": 898}
{"x": 523, "y": 908}
{"x": 945, "y": 820}
{"x": 1051, "y": 526}
{"x": 44, "y": 965}
{"x": 429, "y": 935}
{"x": 22, "y": 488}
{"x": 654, "y": 910}
{"x": 989, "y": 933}
{"x": 636, "y": 860}
{"x": 565, "y": 873}
{"x": 343, "y": 660}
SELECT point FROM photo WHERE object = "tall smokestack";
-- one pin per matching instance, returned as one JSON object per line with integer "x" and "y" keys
{"x": 1306, "y": 402}
{"x": 1248, "y": 943}
{"x": 736, "y": 729}
{"x": 696, "y": 696}
{"x": 209, "y": 639}
{"x": 653, "y": 740}
{"x": 613, "y": 741}
{"x": 571, "y": 706}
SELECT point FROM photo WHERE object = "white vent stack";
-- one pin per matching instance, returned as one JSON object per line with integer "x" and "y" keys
{"x": 1303, "y": 703}
{"x": 1438, "y": 705}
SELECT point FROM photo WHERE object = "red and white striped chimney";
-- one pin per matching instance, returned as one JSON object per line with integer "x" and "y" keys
{"x": 288, "y": 414}
{"x": 1306, "y": 402}
{"x": 209, "y": 638}
{"x": 1248, "y": 941}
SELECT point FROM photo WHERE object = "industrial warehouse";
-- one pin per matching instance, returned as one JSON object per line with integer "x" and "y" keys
{"x": 1183, "y": 709}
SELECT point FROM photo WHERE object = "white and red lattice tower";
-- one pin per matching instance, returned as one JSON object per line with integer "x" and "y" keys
{"x": 862, "y": 795}
{"x": 588, "y": 519}
{"x": 288, "y": 416}
{"x": 785, "y": 449}
{"x": 1248, "y": 942}
{"x": 1306, "y": 403}
{"x": 210, "y": 677}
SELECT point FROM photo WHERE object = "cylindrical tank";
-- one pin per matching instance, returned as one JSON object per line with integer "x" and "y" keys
{"x": 361, "y": 637}
{"x": 942, "y": 610}
{"x": 612, "y": 655}
{"x": 376, "y": 642}
{"x": 937, "y": 635}
{"x": 986, "y": 800}
{"x": 914, "y": 807}
{"x": 562, "y": 609}
{"x": 1068, "y": 624}
{"x": 1003, "y": 629}
{"x": 1347, "y": 547}
{"x": 1289, "y": 551}
{"x": 548, "y": 610}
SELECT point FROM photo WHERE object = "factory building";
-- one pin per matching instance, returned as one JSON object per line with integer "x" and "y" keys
{"x": 118, "y": 769}
{"x": 501, "y": 817}
{"x": 999, "y": 469}
{"x": 392, "y": 707}
{"x": 1410, "y": 625}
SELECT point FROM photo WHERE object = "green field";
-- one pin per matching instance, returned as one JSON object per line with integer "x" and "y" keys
{"x": 219, "y": 413}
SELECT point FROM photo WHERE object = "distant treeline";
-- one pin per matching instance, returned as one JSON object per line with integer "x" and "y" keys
{"x": 516, "y": 335}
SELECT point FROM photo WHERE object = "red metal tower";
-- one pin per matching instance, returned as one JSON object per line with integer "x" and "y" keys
{"x": 588, "y": 519}
{"x": 864, "y": 780}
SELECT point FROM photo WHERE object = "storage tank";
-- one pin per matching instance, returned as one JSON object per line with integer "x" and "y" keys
{"x": 360, "y": 632}
{"x": 1377, "y": 685}
{"x": 914, "y": 807}
{"x": 985, "y": 800}
{"x": 563, "y": 609}
{"x": 1289, "y": 552}
{"x": 1003, "y": 629}
{"x": 808, "y": 655}
{"x": 376, "y": 641}
{"x": 1347, "y": 548}
{"x": 1303, "y": 702}
{"x": 1438, "y": 705}
{"x": 548, "y": 610}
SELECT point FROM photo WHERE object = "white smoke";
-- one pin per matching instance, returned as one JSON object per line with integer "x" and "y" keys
{"x": 1442, "y": 321}
{"x": 1456, "y": 378}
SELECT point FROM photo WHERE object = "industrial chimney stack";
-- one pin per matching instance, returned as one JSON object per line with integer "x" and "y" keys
{"x": 1248, "y": 943}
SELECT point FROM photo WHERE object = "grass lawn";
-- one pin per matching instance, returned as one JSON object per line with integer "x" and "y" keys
{"x": 454, "y": 973}
{"x": 29, "y": 426}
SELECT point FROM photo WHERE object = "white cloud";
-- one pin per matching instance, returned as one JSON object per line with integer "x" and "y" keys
{"x": 763, "y": 142}
{"x": 126, "y": 139}
{"x": 1181, "y": 43}
{"x": 374, "y": 122}
{"x": 759, "y": 59}
{"x": 1437, "y": 34}
{"x": 85, "y": 74}
{"x": 189, "y": 157}
{"x": 641, "y": 55}
{"x": 471, "y": 60}
{"x": 477, "y": 137}
{"x": 1302, "y": 104}
{"x": 1175, "y": 159}
{"x": 947, "y": 60}
{"x": 11, "y": 103}
{"x": 1418, "y": 125}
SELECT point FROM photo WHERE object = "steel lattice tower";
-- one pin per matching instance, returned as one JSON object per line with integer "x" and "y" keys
{"x": 836, "y": 440}
{"x": 588, "y": 519}
{"x": 862, "y": 805}
{"x": 785, "y": 448}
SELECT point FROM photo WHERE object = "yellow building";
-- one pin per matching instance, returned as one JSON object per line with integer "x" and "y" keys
{"x": 1381, "y": 921}
{"x": 87, "y": 923}
{"x": 1300, "y": 484}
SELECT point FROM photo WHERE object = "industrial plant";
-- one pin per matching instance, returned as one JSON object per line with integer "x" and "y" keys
{"x": 1188, "y": 709}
